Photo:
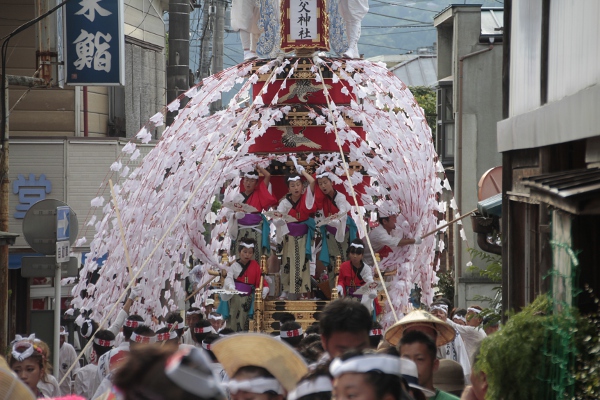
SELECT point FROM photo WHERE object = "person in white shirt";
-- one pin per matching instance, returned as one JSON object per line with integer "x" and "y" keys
{"x": 456, "y": 349}
{"x": 87, "y": 379}
{"x": 381, "y": 238}
{"x": 192, "y": 316}
{"x": 66, "y": 357}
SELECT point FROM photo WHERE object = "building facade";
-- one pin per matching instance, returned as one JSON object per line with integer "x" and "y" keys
{"x": 63, "y": 139}
{"x": 550, "y": 144}
{"x": 469, "y": 82}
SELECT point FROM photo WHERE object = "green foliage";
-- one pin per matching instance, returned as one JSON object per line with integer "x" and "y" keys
{"x": 511, "y": 357}
{"x": 587, "y": 362}
{"x": 493, "y": 272}
{"x": 426, "y": 98}
{"x": 445, "y": 284}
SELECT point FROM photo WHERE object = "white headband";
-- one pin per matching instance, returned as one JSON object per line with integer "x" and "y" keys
{"x": 19, "y": 338}
{"x": 251, "y": 175}
{"x": 206, "y": 346}
{"x": 193, "y": 375}
{"x": 177, "y": 325}
{"x": 460, "y": 318}
{"x": 104, "y": 343}
{"x": 65, "y": 332}
{"x": 132, "y": 323}
{"x": 293, "y": 178}
{"x": 291, "y": 334}
{"x": 204, "y": 329}
{"x": 24, "y": 355}
{"x": 376, "y": 332}
{"x": 304, "y": 388}
{"x": 441, "y": 307}
{"x": 215, "y": 317}
{"x": 142, "y": 339}
{"x": 197, "y": 312}
{"x": 476, "y": 311}
{"x": 256, "y": 385}
{"x": 247, "y": 245}
{"x": 161, "y": 337}
{"x": 88, "y": 322}
{"x": 369, "y": 362}
{"x": 358, "y": 246}
{"x": 323, "y": 175}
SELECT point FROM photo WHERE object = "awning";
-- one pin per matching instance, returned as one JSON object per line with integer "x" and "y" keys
{"x": 575, "y": 191}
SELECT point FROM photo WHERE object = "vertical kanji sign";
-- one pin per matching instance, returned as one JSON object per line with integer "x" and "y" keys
{"x": 94, "y": 42}
{"x": 304, "y": 24}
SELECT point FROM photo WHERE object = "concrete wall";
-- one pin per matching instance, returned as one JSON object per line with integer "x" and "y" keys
{"x": 481, "y": 110}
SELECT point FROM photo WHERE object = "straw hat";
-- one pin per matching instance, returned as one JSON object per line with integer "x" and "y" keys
{"x": 11, "y": 387}
{"x": 254, "y": 349}
{"x": 445, "y": 332}
{"x": 449, "y": 377}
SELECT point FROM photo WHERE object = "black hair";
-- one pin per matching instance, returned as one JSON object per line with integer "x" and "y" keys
{"x": 320, "y": 370}
{"x": 381, "y": 220}
{"x": 314, "y": 328}
{"x": 461, "y": 312}
{"x": 356, "y": 250}
{"x": 103, "y": 334}
{"x": 210, "y": 339}
{"x": 174, "y": 317}
{"x": 201, "y": 324}
{"x": 445, "y": 301}
{"x": 290, "y": 326}
{"x": 195, "y": 309}
{"x": 166, "y": 329}
{"x": 226, "y": 331}
{"x": 247, "y": 241}
{"x": 412, "y": 337}
{"x": 344, "y": 315}
{"x": 377, "y": 338}
{"x": 286, "y": 317}
{"x": 308, "y": 339}
{"x": 382, "y": 383}
{"x": 127, "y": 331}
{"x": 312, "y": 352}
{"x": 390, "y": 351}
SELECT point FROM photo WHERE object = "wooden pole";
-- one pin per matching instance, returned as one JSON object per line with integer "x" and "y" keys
{"x": 112, "y": 192}
{"x": 449, "y": 223}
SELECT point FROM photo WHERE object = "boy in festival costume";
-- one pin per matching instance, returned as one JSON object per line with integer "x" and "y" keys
{"x": 192, "y": 316}
{"x": 355, "y": 273}
{"x": 260, "y": 366}
{"x": 109, "y": 361}
{"x": 244, "y": 276}
{"x": 316, "y": 385}
{"x": 66, "y": 357}
{"x": 381, "y": 238}
{"x": 297, "y": 236}
{"x": 217, "y": 321}
{"x": 291, "y": 333}
{"x": 254, "y": 191}
{"x": 86, "y": 379}
{"x": 335, "y": 236}
{"x": 201, "y": 330}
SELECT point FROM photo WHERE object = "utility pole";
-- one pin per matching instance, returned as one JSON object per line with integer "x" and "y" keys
{"x": 178, "y": 80}
{"x": 218, "y": 35}
{"x": 206, "y": 38}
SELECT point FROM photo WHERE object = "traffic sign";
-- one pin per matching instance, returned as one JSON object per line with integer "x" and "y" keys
{"x": 40, "y": 226}
{"x": 44, "y": 267}
{"x": 62, "y": 223}
{"x": 62, "y": 251}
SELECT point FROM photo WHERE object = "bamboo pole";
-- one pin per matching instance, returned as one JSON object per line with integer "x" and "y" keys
{"x": 448, "y": 224}
{"x": 112, "y": 192}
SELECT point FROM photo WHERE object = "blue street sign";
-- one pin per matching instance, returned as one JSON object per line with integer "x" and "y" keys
{"x": 94, "y": 42}
{"x": 63, "y": 215}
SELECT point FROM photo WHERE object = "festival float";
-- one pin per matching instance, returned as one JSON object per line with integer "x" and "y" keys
{"x": 306, "y": 109}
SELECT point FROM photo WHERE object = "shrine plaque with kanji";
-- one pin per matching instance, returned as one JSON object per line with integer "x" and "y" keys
{"x": 304, "y": 25}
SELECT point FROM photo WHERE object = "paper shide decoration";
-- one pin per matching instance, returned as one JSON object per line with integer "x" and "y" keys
{"x": 211, "y": 150}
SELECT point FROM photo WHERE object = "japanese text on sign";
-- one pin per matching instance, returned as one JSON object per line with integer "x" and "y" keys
{"x": 30, "y": 191}
{"x": 94, "y": 42}
{"x": 303, "y": 19}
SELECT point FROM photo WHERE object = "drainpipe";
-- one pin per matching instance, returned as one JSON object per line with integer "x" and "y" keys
{"x": 85, "y": 111}
{"x": 458, "y": 163}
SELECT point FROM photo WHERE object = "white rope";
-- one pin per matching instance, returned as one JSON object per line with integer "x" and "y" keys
{"x": 168, "y": 230}
{"x": 358, "y": 209}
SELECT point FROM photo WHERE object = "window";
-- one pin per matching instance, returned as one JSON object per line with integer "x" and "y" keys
{"x": 445, "y": 142}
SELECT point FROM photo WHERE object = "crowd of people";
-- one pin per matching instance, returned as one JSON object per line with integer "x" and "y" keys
{"x": 345, "y": 355}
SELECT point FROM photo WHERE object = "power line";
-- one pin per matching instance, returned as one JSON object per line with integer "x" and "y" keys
{"x": 396, "y": 26}
{"x": 404, "y": 5}
{"x": 398, "y": 33}
{"x": 402, "y": 19}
